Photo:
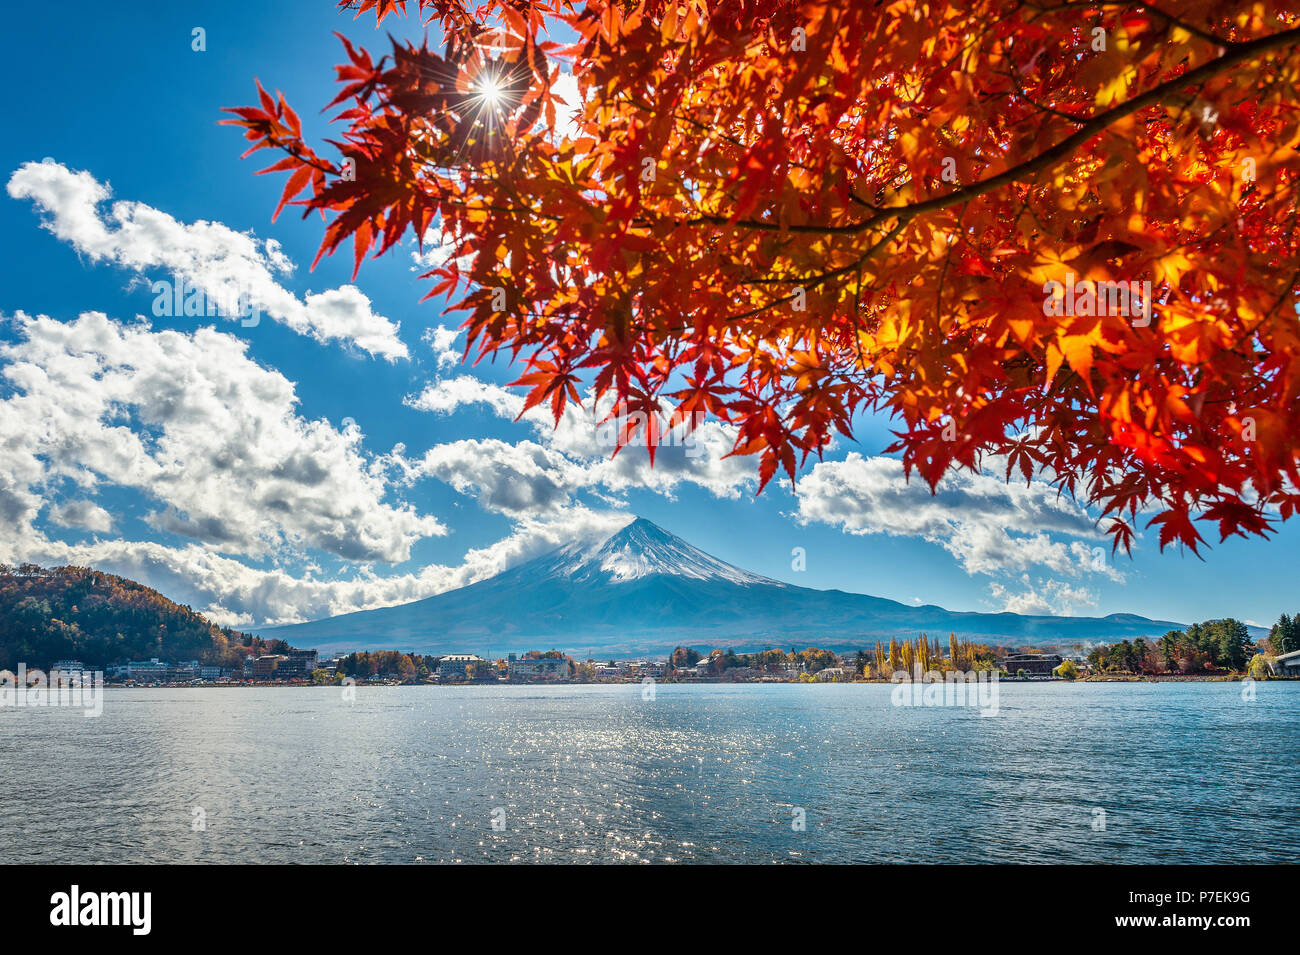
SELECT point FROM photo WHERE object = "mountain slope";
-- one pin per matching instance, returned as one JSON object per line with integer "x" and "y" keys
{"x": 644, "y": 589}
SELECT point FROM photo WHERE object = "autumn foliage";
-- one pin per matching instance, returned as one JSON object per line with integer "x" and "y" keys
{"x": 786, "y": 215}
{"x": 97, "y": 618}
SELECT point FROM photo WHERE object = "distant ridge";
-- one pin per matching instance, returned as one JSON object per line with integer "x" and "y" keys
{"x": 646, "y": 590}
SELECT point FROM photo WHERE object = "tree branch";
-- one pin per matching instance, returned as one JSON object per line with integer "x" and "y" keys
{"x": 1236, "y": 54}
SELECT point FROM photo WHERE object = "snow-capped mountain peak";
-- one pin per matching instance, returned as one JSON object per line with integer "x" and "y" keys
{"x": 643, "y": 549}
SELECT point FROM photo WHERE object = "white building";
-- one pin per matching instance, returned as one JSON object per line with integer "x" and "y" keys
{"x": 151, "y": 670}
{"x": 70, "y": 672}
{"x": 537, "y": 667}
{"x": 644, "y": 668}
{"x": 455, "y": 665}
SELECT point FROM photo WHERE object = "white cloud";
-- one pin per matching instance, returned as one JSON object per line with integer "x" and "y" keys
{"x": 232, "y": 593}
{"x": 86, "y": 515}
{"x": 441, "y": 340}
{"x": 574, "y": 455}
{"x": 451, "y": 394}
{"x": 990, "y": 526}
{"x": 218, "y": 260}
{"x": 199, "y": 428}
{"x": 523, "y": 479}
{"x": 213, "y": 441}
{"x": 1050, "y": 597}
{"x": 437, "y": 249}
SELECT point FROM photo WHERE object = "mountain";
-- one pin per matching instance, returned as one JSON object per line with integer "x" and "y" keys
{"x": 74, "y": 613}
{"x": 646, "y": 590}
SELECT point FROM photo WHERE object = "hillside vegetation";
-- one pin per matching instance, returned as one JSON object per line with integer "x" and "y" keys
{"x": 98, "y": 618}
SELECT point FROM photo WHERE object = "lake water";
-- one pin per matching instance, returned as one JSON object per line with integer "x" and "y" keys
{"x": 700, "y": 773}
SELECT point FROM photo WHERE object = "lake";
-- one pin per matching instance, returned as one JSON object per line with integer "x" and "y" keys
{"x": 1116, "y": 773}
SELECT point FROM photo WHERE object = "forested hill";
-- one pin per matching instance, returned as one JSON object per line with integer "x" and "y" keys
{"x": 97, "y": 618}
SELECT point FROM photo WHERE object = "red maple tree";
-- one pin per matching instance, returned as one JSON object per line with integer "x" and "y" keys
{"x": 1061, "y": 233}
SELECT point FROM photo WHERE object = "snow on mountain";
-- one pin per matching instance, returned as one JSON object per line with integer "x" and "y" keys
{"x": 643, "y": 549}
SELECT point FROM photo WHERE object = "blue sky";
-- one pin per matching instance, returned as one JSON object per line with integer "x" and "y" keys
{"x": 333, "y": 456}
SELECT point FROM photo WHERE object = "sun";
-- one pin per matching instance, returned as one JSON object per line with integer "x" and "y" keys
{"x": 490, "y": 89}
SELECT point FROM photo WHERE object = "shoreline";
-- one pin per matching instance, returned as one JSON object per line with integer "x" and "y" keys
{"x": 1178, "y": 678}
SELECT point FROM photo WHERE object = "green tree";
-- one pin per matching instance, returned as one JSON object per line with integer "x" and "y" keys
{"x": 1285, "y": 635}
{"x": 1169, "y": 649}
{"x": 1233, "y": 636}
